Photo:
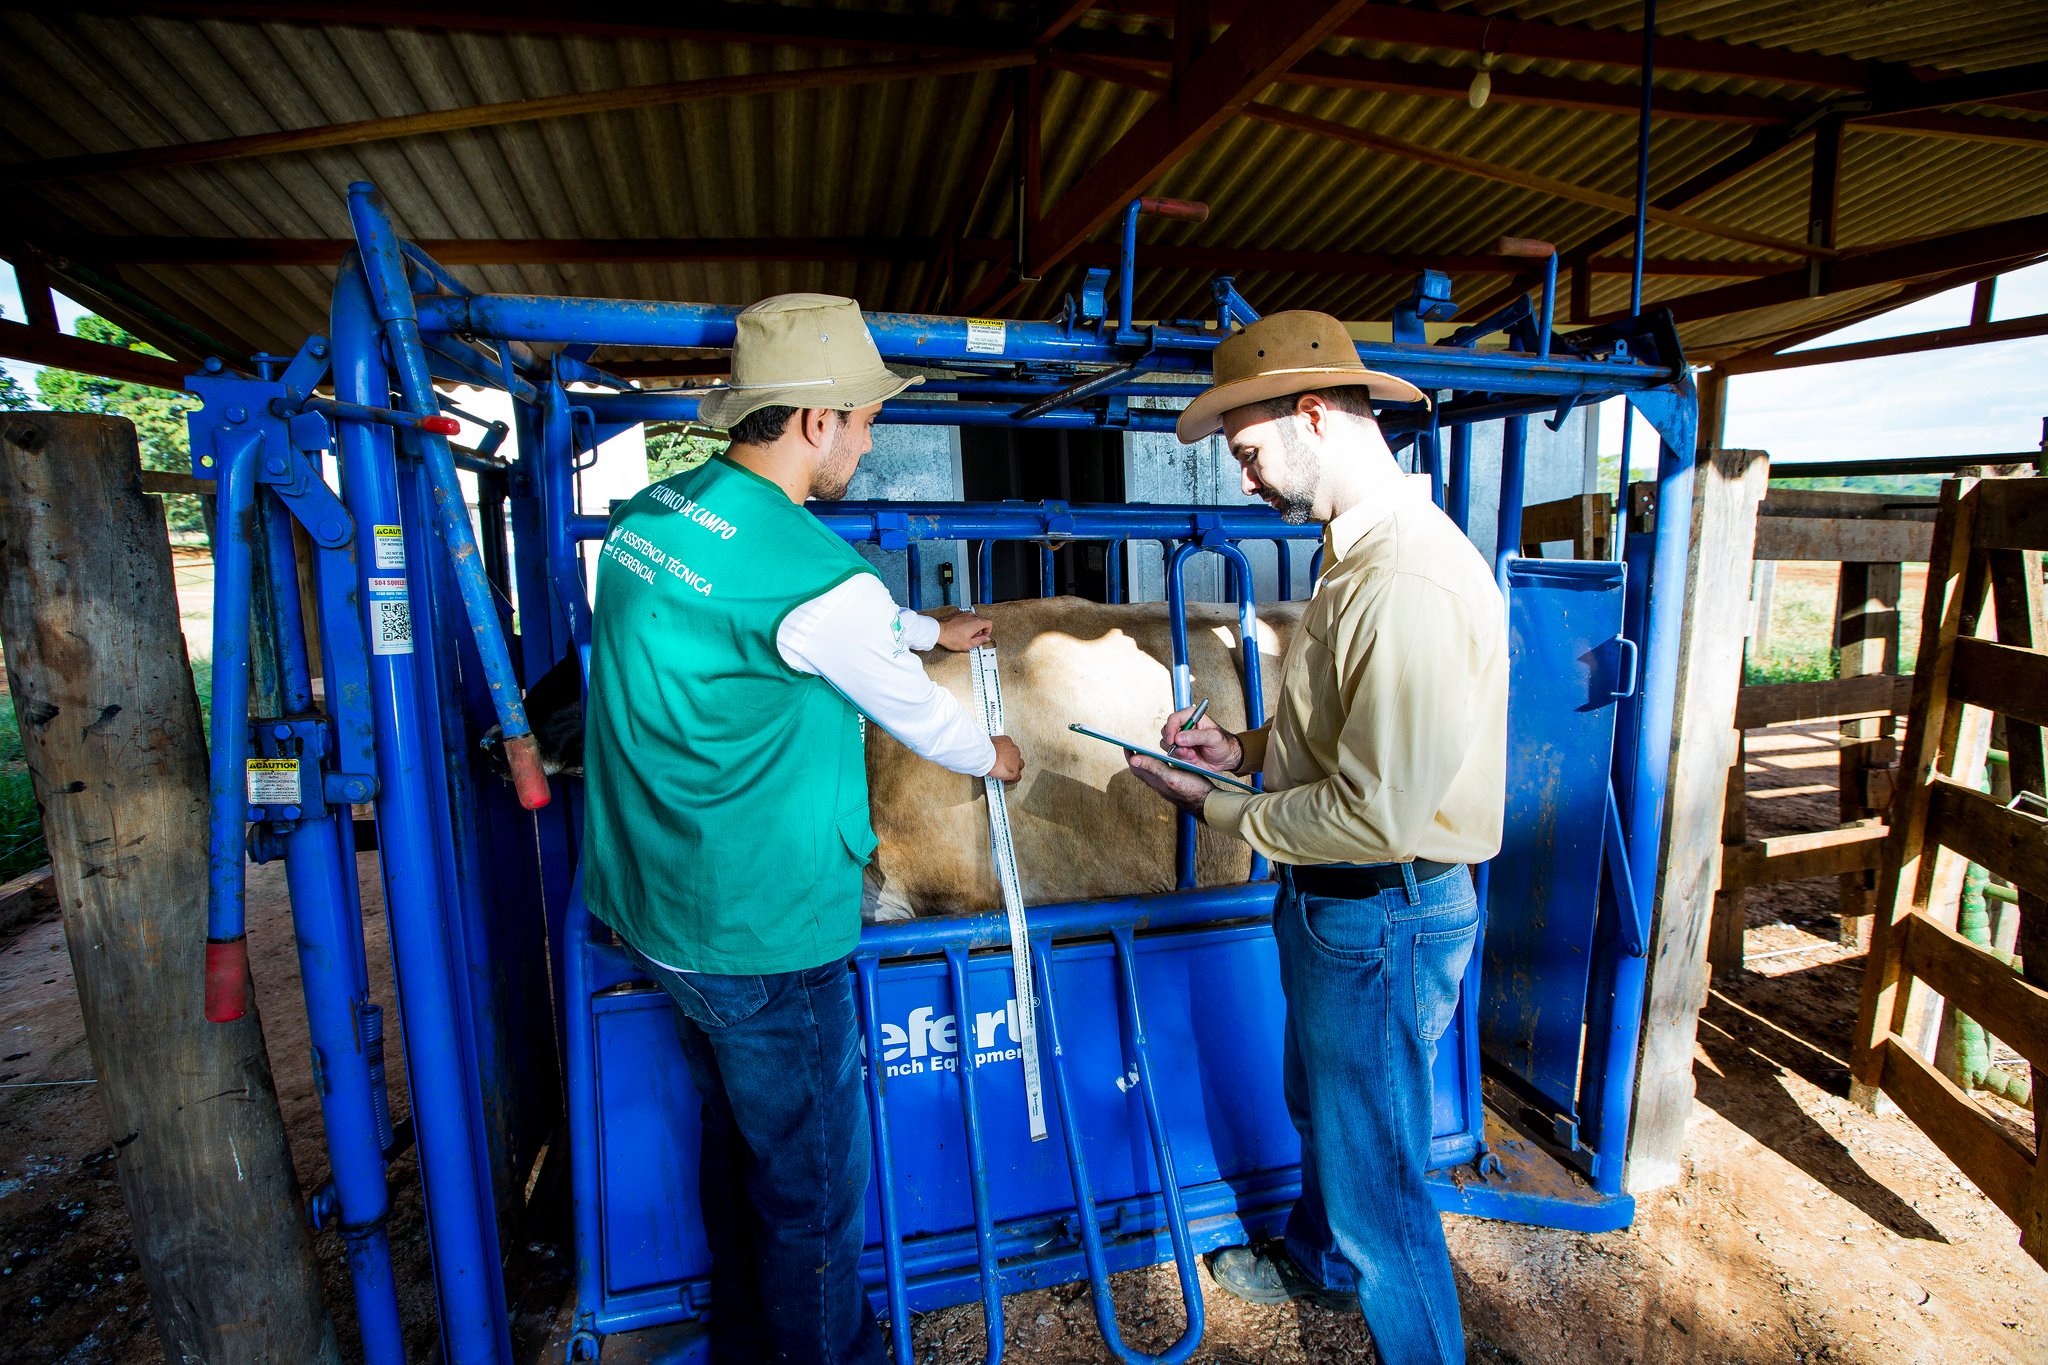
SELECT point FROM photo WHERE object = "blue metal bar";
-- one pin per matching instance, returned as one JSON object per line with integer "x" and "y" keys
{"x": 976, "y": 521}
{"x": 1514, "y": 451}
{"x": 327, "y": 920}
{"x": 227, "y": 947}
{"x": 1635, "y": 277}
{"x": 1087, "y": 1220}
{"x": 1127, "y": 272}
{"x": 1139, "y": 1048}
{"x": 928, "y": 340}
{"x": 384, "y": 271}
{"x": 1283, "y": 553}
{"x": 556, "y": 479}
{"x": 1248, "y": 648}
{"x": 1045, "y": 571}
{"x": 1113, "y": 566}
{"x": 461, "y": 1215}
{"x": 984, "y": 573}
{"x": 977, "y": 1167}
{"x": 1458, "y": 488}
{"x": 913, "y": 575}
{"x": 885, "y": 1163}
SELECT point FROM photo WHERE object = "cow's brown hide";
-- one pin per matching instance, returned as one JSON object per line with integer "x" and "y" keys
{"x": 1084, "y": 826}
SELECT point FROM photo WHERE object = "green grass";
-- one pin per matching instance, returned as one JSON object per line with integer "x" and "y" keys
{"x": 21, "y": 825}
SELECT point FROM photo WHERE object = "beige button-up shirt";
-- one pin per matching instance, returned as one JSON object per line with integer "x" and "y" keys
{"x": 1389, "y": 742}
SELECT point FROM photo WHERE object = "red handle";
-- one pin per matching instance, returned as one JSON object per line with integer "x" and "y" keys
{"x": 227, "y": 980}
{"x": 1189, "y": 210}
{"x": 522, "y": 756}
{"x": 1524, "y": 246}
{"x": 446, "y": 426}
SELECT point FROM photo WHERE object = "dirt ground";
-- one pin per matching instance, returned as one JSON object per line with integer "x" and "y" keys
{"x": 1804, "y": 1228}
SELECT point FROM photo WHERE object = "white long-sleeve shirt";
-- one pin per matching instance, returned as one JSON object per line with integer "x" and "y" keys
{"x": 856, "y": 638}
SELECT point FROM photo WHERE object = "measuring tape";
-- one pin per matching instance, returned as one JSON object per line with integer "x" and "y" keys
{"x": 988, "y": 697}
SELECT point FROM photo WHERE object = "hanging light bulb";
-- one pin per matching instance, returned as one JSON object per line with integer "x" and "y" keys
{"x": 1482, "y": 83}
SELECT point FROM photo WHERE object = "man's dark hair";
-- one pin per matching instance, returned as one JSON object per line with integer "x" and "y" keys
{"x": 1354, "y": 399}
{"x": 762, "y": 426}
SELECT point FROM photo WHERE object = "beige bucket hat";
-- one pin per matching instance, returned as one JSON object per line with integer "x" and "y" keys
{"x": 1282, "y": 354}
{"x": 801, "y": 351}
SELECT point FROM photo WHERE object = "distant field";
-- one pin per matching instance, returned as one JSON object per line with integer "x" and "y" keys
{"x": 1801, "y": 639}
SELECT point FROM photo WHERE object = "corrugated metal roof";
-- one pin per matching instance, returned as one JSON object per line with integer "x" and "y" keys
{"x": 892, "y": 161}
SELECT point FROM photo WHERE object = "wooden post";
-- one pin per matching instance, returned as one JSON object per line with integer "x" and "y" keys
{"x": 1763, "y": 588}
{"x": 110, "y": 726}
{"x": 1727, "y": 489}
{"x": 1731, "y": 916}
{"x": 1866, "y": 642}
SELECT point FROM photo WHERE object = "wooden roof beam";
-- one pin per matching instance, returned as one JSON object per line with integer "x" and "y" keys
{"x": 59, "y": 350}
{"x": 1509, "y": 175}
{"x": 495, "y": 115}
{"x": 1995, "y": 244}
{"x": 1226, "y": 76}
{"x": 1945, "y": 338}
{"x": 328, "y": 251}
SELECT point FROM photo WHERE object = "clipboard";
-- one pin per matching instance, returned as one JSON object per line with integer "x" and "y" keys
{"x": 1168, "y": 759}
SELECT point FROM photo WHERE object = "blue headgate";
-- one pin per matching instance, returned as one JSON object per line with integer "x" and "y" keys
{"x": 1159, "y": 1015}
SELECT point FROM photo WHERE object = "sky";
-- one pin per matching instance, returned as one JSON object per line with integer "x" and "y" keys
{"x": 1971, "y": 400}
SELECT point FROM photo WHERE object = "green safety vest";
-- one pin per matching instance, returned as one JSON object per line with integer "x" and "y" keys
{"x": 726, "y": 794}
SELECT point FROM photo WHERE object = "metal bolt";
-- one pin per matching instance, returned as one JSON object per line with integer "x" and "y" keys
{"x": 330, "y": 529}
{"x": 274, "y": 465}
{"x": 213, "y": 364}
{"x": 255, "y": 812}
{"x": 291, "y": 812}
{"x": 281, "y": 731}
{"x": 357, "y": 789}
{"x": 318, "y": 349}
{"x": 238, "y": 413}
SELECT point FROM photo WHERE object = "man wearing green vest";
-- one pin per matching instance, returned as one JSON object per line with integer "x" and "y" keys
{"x": 736, "y": 646}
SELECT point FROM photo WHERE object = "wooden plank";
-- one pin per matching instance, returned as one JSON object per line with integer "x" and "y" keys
{"x": 26, "y": 899}
{"x": 65, "y": 352}
{"x": 2003, "y": 678}
{"x": 1842, "y": 539}
{"x": 1839, "y": 502}
{"x": 1727, "y": 486}
{"x": 1731, "y": 916}
{"x": 1882, "y": 1001}
{"x": 2013, "y": 845}
{"x": 1763, "y": 704}
{"x": 1585, "y": 519}
{"x": 169, "y": 481}
{"x": 1978, "y": 1144}
{"x": 2012, "y": 514}
{"x": 1980, "y": 985}
{"x": 1793, "y": 857}
{"x": 90, "y": 619}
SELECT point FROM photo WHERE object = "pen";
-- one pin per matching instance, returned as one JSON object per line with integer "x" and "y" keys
{"x": 1200, "y": 711}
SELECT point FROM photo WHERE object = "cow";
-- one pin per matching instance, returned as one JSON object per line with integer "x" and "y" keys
{"x": 1083, "y": 825}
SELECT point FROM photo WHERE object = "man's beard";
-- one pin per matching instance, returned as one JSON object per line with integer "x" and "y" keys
{"x": 835, "y": 473}
{"x": 1296, "y": 499}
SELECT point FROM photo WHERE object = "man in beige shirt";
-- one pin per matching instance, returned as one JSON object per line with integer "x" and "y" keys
{"x": 1385, "y": 775}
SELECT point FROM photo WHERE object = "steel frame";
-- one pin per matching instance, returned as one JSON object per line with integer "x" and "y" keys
{"x": 391, "y": 730}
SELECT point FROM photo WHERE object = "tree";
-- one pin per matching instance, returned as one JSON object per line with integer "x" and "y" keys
{"x": 673, "y": 448}
{"x": 13, "y": 398}
{"x": 158, "y": 414}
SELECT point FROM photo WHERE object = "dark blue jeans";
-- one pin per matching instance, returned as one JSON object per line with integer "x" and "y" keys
{"x": 783, "y": 1180}
{"x": 1371, "y": 985}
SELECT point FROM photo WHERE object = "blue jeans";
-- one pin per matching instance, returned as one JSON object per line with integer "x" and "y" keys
{"x": 1371, "y": 985}
{"x": 783, "y": 1179}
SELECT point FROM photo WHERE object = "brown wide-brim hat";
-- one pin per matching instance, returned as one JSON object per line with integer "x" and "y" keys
{"x": 801, "y": 351}
{"x": 1279, "y": 355}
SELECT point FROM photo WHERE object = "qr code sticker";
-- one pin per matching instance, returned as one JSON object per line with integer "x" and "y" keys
{"x": 393, "y": 621}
